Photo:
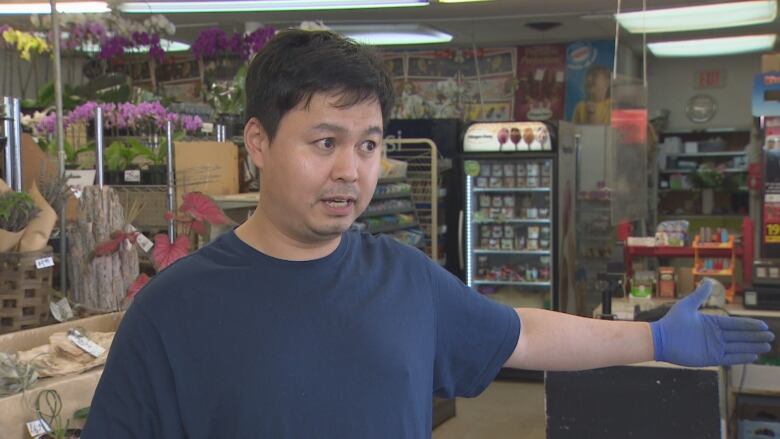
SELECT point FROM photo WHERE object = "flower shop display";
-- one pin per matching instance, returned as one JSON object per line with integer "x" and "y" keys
{"x": 26, "y": 222}
{"x": 197, "y": 213}
{"x": 99, "y": 281}
{"x": 112, "y": 34}
{"x": 25, "y": 43}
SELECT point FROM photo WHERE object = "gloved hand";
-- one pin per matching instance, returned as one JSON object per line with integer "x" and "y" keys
{"x": 687, "y": 337}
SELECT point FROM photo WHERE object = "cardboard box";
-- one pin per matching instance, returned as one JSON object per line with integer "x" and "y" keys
{"x": 76, "y": 391}
{"x": 208, "y": 167}
{"x": 685, "y": 283}
{"x": 770, "y": 62}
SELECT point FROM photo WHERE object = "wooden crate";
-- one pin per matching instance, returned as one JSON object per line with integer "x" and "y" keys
{"x": 24, "y": 290}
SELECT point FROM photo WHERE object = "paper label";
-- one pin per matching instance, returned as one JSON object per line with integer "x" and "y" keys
{"x": 61, "y": 310}
{"x": 85, "y": 343}
{"x": 44, "y": 263}
{"x": 145, "y": 243}
{"x": 132, "y": 175}
{"x": 37, "y": 428}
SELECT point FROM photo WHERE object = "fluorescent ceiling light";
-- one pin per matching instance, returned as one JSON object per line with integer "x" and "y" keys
{"x": 62, "y": 7}
{"x": 167, "y": 45}
{"x": 392, "y": 34}
{"x": 265, "y": 5}
{"x": 690, "y": 18}
{"x": 714, "y": 46}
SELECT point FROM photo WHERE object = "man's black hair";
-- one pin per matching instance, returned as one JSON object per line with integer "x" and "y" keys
{"x": 297, "y": 64}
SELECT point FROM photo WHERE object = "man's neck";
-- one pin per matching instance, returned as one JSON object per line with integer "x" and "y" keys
{"x": 264, "y": 236}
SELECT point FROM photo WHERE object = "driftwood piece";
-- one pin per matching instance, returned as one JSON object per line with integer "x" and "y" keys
{"x": 100, "y": 283}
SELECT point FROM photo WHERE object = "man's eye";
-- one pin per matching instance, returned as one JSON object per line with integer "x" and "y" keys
{"x": 328, "y": 143}
{"x": 368, "y": 146}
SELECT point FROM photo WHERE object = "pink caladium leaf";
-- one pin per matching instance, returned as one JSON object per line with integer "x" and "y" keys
{"x": 200, "y": 227}
{"x": 203, "y": 208}
{"x": 165, "y": 253}
{"x": 106, "y": 248}
{"x": 137, "y": 284}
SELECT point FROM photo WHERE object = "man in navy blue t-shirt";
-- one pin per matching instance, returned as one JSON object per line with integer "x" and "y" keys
{"x": 291, "y": 326}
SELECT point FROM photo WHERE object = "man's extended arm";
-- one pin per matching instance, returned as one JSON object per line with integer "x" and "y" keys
{"x": 555, "y": 341}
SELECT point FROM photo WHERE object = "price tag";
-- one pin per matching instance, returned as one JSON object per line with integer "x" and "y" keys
{"x": 37, "y": 428}
{"x": 44, "y": 263}
{"x": 145, "y": 243}
{"x": 132, "y": 175}
{"x": 61, "y": 310}
{"x": 85, "y": 343}
{"x": 772, "y": 233}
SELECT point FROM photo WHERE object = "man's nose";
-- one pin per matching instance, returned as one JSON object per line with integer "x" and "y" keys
{"x": 345, "y": 166}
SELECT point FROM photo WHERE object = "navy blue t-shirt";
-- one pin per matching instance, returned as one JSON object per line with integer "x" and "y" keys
{"x": 232, "y": 343}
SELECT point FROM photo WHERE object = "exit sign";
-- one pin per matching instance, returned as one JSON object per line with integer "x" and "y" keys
{"x": 705, "y": 79}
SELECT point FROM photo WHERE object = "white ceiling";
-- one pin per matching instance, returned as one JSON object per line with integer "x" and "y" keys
{"x": 496, "y": 22}
{"x": 489, "y": 23}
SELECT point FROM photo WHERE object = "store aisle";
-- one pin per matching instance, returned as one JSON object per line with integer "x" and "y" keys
{"x": 505, "y": 410}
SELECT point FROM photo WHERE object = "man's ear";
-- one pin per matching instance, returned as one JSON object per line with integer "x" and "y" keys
{"x": 256, "y": 141}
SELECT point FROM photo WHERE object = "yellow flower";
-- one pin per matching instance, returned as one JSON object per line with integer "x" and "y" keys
{"x": 26, "y": 43}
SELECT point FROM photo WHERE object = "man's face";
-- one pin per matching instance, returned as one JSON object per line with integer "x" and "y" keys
{"x": 320, "y": 171}
{"x": 528, "y": 135}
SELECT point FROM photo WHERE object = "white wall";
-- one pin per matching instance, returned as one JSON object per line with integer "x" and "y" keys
{"x": 671, "y": 84}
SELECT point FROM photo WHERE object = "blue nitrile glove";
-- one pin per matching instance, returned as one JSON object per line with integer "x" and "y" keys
{"x": 687, "y": 337}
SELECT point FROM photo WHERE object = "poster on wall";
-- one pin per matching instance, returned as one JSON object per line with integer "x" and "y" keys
{"x": 540, "y": 82}
{"x": 588, "y": 76}
{"x": 450, "y": 84}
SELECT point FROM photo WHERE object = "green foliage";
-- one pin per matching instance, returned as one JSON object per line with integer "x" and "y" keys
{"x": 710, "y": 177}
{"x": 45, "y": 98}
{"x": 71, "y": 153}
{"x": 118, "y": 155}
{"x": 228, "y": 96}
{"x": 81, "y": 413}
{"x": 17, "y": 209}
{"x": 14, "y": 375}
{"x": 159, "y": 156}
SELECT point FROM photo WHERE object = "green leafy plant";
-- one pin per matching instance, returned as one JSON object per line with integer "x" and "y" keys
{"x": 227, "y": 97}
{"x": 707, "y": 176}
{"x": 157, "y": 156}
{"x": 119, "y": 155}
{"x": 71, "y": 153}
{"x": 45, "y": 98}
{"x": 15, "y": 376}
{"x": 48, "y": 407}
{"x": 17, "y": 209}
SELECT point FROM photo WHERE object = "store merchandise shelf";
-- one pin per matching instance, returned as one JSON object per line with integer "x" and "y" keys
{"x": 514, "y": 221}
{"x": 405, "y": 194}
{"x": 727, "y": 272}
{"x": 512, "y": 189}
{"x": 392, "y": 228}
{"x": 387, "y": 212}
{"x": 676, "y": 252}
{"x": 507, "y": 282}
{"x": 479, "y": 251}
{"x": 688, "y": 171}
{"x": 708, "y": 154}
{"x": 391, "y": 180}
{"x": 714, "y": 246}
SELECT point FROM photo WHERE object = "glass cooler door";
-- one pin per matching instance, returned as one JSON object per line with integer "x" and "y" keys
{"x": 509, "y": 229}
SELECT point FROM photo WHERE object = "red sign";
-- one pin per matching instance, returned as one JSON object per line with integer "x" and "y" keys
{"x": 754, "y": 176}
{"x": 631, "y": 125}
{"x": 710, "y": 79}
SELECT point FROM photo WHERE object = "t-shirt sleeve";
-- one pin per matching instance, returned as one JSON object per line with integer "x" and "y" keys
{"x": 474, "y": 336}
{"x": 136, "y": 395}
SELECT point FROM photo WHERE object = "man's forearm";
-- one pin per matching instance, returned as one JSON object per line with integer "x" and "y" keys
{"x": 557, "y": 341}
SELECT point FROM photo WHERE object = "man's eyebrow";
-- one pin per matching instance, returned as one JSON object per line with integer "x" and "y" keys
{"x": 333, "y": 128}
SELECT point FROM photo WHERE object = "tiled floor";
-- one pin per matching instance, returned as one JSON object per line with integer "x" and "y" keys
{"x": 504, "y": 410}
